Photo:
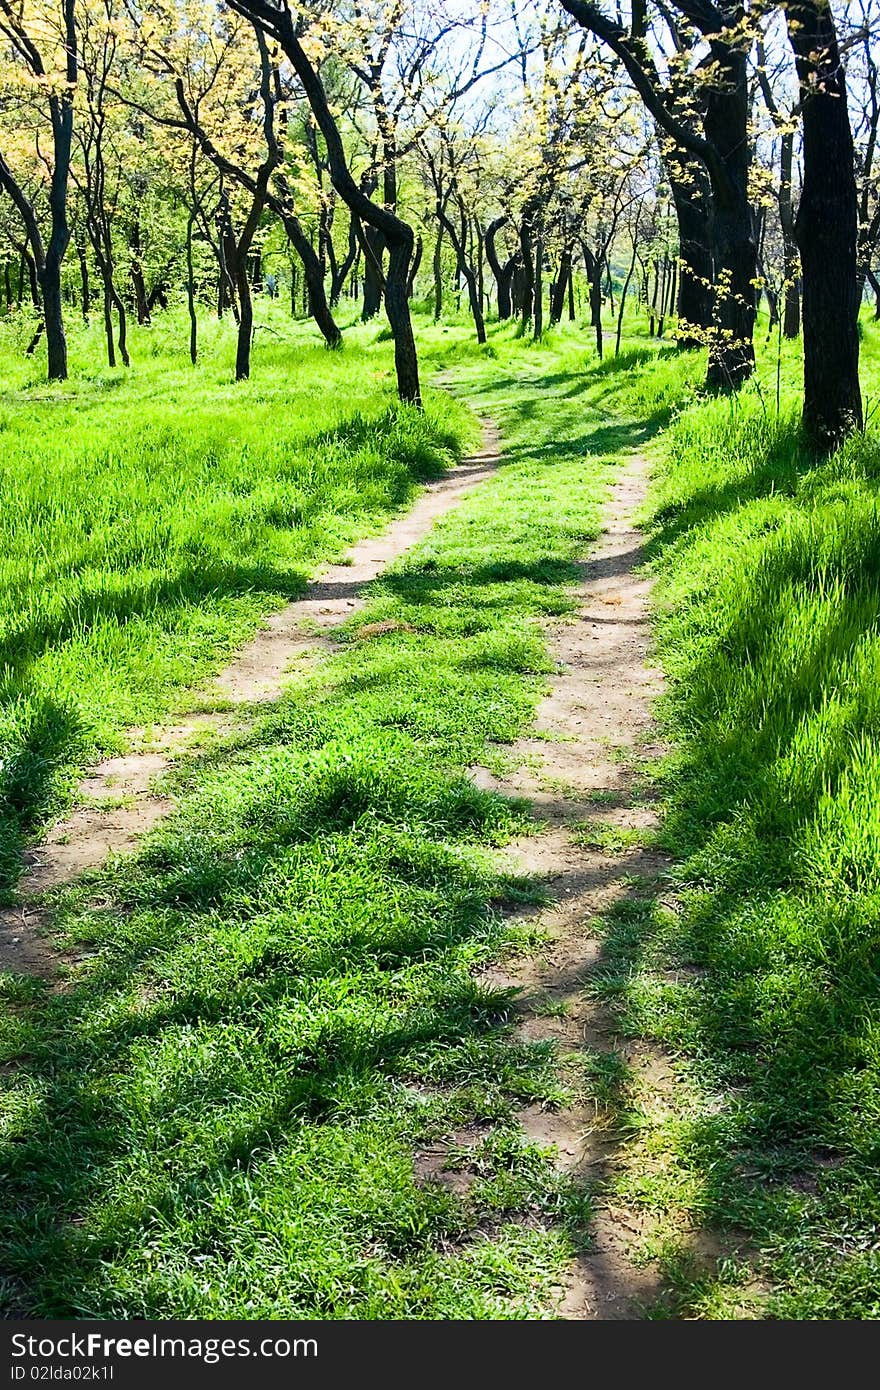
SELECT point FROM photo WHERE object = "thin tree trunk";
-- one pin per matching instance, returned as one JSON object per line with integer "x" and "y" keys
{"x": 539, "y": 286}
{"x": 625, "y": 291}
{"x": 438, "y": 274}
{"x": 464, "y": 269}
{"x": 191, "y": 293}
{"x": 791, "y": 323}
{"x": 85, "y": 290}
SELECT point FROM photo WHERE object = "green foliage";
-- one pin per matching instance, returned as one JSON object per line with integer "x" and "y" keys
{"x": 277, "y": 1001}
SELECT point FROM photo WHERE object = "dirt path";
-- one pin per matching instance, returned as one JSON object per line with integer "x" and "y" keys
{"x": 117, "y": 804}
{"x": 576, "y": 771}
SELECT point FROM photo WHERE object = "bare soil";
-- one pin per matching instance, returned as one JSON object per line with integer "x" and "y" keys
{"x": 117, "y": 800}
{"x": 577, "y": 768}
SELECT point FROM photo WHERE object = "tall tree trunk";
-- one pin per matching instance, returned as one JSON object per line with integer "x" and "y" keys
{"x": 625, "y": 291}
{"x": 85, "y": 291}
{"x": 827, "y": 230}
{"x": 527, "y": 266}
{"x": 342, "y": 271}
{"x": 397, "y": 233}
{"x": 137, "y": 272}
{"x": 245, "y": 320}
{"x": 437, "y": 267}
{"x": 314, "y": 280}
{"x": 732, "y": 345}
{"x": 593, "y": 267}
{"x": 191, "y": 293}
{"x": 414, "y": 268}
{"x": 464, "y": 269}
{"x": 108, "y": 325}
{"x": 538, "y": 316}
{"x": 372, "y": 274}
{"x": 791, "y": 323}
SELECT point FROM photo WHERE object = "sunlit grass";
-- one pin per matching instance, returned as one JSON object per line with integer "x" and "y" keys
{"x": 149, "y": 519}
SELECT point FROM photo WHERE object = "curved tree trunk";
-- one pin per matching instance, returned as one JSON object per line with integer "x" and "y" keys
{"x": 317, "y": 296}
{"x": 527, "y": 267}
{"x": 560, "y": 286}
{"x": 464, "y": 269}
{"x": 398, "y": 234}
{"x": 414, "y": 268}
{"x": 503, "y": 273}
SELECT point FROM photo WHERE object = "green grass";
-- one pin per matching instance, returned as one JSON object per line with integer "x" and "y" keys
{"x": 764, "y": 976}
{"x": 150, "y": 519}
{"x": 277, "y": 1003}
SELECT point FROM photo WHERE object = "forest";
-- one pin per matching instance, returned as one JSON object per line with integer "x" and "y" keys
{"x": 439, "y": 660}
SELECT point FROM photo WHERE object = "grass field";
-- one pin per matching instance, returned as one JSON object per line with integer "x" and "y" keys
{"x": 217, "y": 1116}
{"x": 764, "y": 973}
{"x": 150, "y": 519}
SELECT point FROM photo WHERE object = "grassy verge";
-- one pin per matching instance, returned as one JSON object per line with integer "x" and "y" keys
{"x": 217, "y": 1116}
{"x": 151, "y": 518}
{"x": 762, "y": 972}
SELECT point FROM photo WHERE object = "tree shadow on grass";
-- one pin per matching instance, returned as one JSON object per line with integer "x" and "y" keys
{"x": 766, "y": 977}
{"x": 213, "y": 1027}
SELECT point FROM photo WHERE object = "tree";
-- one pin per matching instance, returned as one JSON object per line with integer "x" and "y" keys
{"x": 720, "y": 77}
{"x": 55, "y": 85}
{"x": 827, "y": 229}
{"x": 398, "y": 235}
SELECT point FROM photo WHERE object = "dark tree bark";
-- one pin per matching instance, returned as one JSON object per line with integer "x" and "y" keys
{"x": 464, "y": 268}
{"x": 191, "y": 293}
{"x": 137, "y": 272}
{"x": 726, "y": 123}
{"x": 526, "y": 264}
{"x": 398, "y": 234}
{"x": 414, "y": 268}
{"x": 827, "y": 230}
{"x": 437, "y": 267}
{"x": 85, "y": 290}
{"x": 342, "y": 271}
{"x": 314, "y": 278}
{"x": 503, "y": 274}
{"x": 373, "y": 277}
{"x": 791, "y": 318}
{"x": 49, "y": 257}
{"x": 724, "y": 148}
{"x": 234, "y": 252}
{"x": 560, "y": 286}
